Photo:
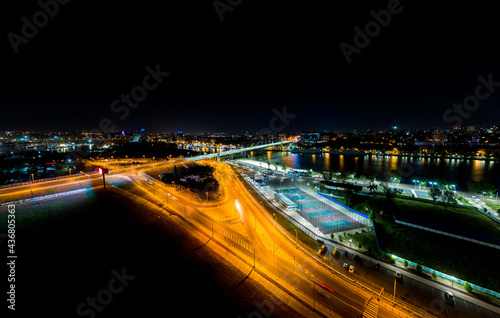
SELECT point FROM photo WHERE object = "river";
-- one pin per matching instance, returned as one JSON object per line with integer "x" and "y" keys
{"x": 456, "y": 171}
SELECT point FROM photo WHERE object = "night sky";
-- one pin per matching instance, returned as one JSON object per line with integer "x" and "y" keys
{"x": 229, "y": 75}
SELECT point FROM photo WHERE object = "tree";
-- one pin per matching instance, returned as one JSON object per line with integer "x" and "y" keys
{"x": 405, "y": 263}
{"x": 348, "y": 197}
{"x": 434, "y": 275}
{"x": 341, "y": 238}
{"x": 396, "y": 176}
{"x": 449, "y": 198}
{"x": 342, "y": 176}
{"x": 372, "y": 188}
{"x": 327, "y": 175}
{"x": 332, "y": 236}
{"x": 359, "y": 244}
{"x": 468, "y": 287}
{"x": 351, "y": 175}
{"x": 391, "y": 193}
{"x": 363, "y": 178}
{"x": 435, "y": 193}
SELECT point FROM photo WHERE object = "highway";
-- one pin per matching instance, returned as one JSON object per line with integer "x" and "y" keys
{"x": 411, "y": 288}
{"x": 273, "y": 252}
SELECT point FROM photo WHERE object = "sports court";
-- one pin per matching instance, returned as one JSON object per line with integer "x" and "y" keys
{"x": 322, "y": 216}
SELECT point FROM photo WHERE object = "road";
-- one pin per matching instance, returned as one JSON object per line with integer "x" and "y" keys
{"x": 411, "y": 288}
{"x": 261, "y": 242}
{"x": 250, "y": 231}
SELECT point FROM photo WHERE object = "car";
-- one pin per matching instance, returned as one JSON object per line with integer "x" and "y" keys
{"x": 448, "y": 297}
{"x": 346, "y": 265}
{"x": 322, "y": 250}
{"x": 398, "y": 275}
{"x": 351, "y": 269}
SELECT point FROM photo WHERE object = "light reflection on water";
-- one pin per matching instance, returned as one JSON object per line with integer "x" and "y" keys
{"x": 457, "y": 171}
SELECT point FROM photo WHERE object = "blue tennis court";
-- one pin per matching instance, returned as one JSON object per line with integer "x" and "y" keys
{"x": 310, "y": 204}
{"x": 336, "y": 224}
{"x": 297, "y": 197}
{"x": 321, "y": 213}
{"x": 290, "y": 191}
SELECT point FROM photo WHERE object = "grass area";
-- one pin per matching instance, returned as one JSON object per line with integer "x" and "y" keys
{"x": 462, "y": 259}
{"x": 495, "y": 206}
{"x": 459, "y": 218}
{"x": 70, "y": 246}
{"x": 289, "y": 226}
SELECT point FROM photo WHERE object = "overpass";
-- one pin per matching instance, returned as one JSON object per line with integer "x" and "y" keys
{"x": 235, "y": 151}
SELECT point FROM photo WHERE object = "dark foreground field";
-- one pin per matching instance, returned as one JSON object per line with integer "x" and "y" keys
{"x": 75, "y": 247}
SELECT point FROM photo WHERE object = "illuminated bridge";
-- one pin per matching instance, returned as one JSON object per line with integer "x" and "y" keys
{"x": 218, "y": 155}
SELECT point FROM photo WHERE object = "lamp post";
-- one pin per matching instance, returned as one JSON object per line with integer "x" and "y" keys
{"x": 70, "y": 172}
{"x": 280, "y": 184}
{"x": 32, "y": 181}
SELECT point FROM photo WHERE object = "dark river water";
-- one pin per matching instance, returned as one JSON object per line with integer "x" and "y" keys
{"x": 457, "y": 171}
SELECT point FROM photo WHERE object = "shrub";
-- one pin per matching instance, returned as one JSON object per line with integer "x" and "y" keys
{"x": 362, "y": 230}
{"x": 405, "y": 263}
{"x": 467, "y": 287}
{"x": 341, "y": 238}
{"x": 332, "y": 236}
{"x": 434, "y": 275}
{"x": 359, "y": 244}
{"x": 345, "y": 234}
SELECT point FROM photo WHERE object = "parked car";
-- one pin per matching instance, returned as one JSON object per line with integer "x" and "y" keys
{"x": 448, "y": 298}
{"x": 346, "y": 265}
{"x": 322, "y": 250}
{"x": 398, "y": 275}
{"x": 351, "y": 269}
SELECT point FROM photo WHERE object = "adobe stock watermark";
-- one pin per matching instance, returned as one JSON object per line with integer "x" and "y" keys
{"x": 279, "y": 122}
{"x": 125, "y": 103}
{"x": 482, "y": 92}
{"x": 221, "y": 7}
{"x": 372, "y": 29}
{"x": 265, "y": 308}
{"x": 105, "y": 296}
{"x": 30, "y": 28}
{"x": 138, "y": 94}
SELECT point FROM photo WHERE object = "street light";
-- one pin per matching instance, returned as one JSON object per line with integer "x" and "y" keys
{"x": 280, "y": 184}
{"x": 32, "y": 180}
{"x": 70, "y": 172}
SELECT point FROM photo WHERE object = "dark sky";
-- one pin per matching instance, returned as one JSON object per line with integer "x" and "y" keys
{"x": 229, "y": 75}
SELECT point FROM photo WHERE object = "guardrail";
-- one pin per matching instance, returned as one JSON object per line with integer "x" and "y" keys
{"x": 22, "y": 183}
